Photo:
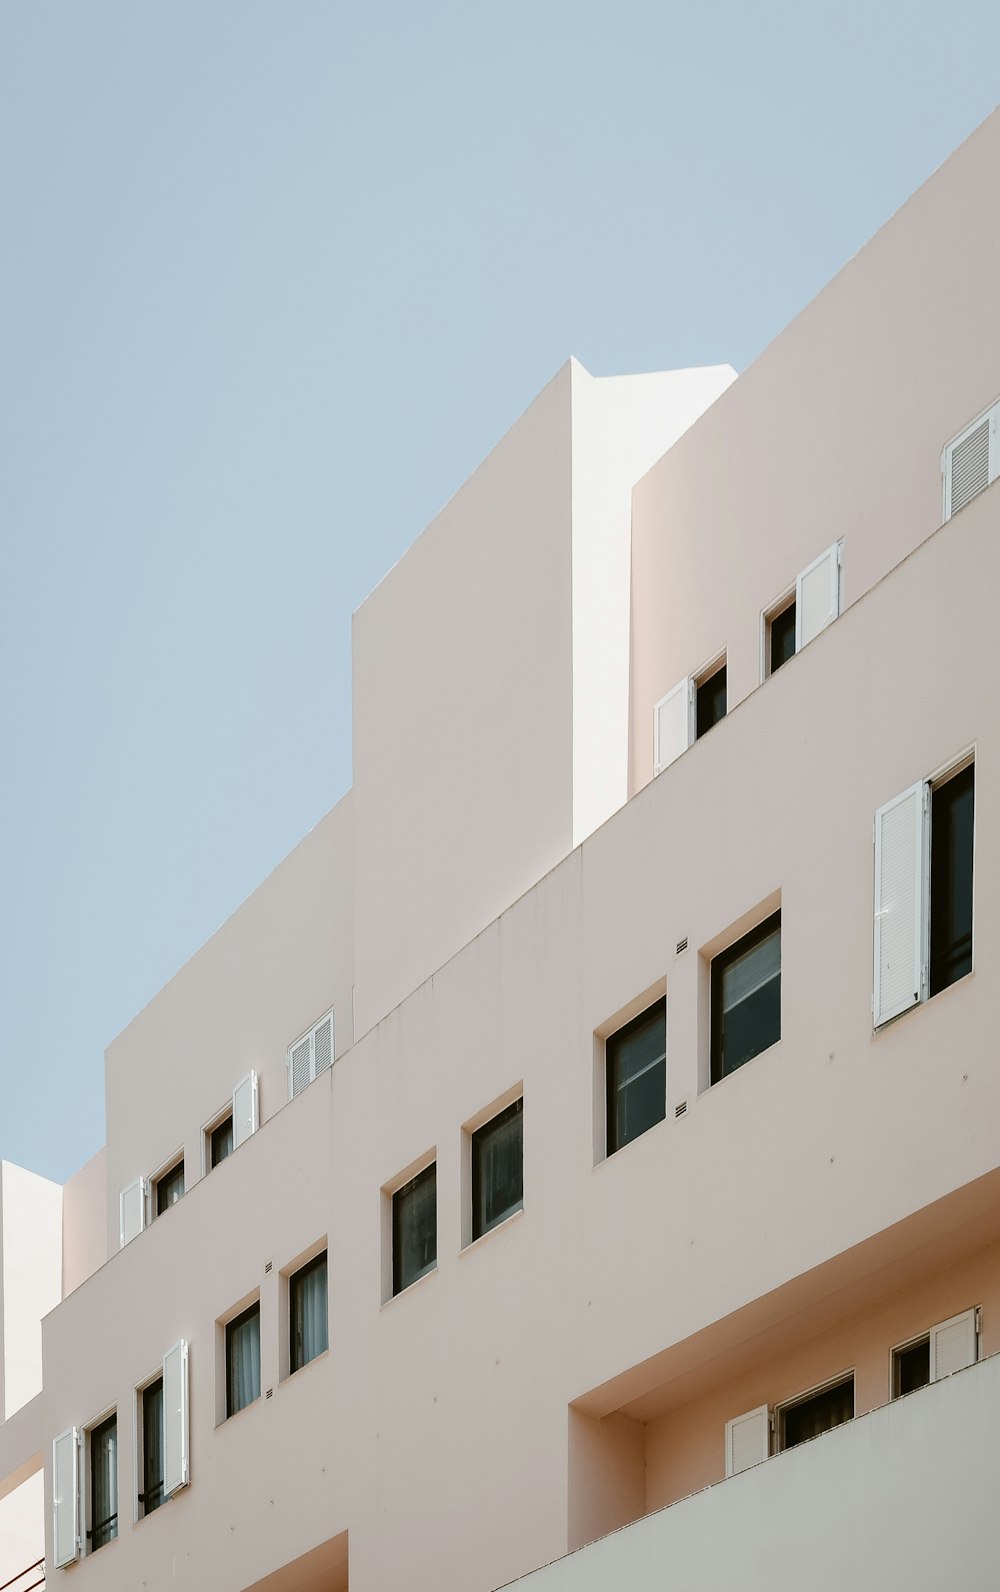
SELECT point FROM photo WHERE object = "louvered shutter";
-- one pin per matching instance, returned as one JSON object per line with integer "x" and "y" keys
{"x": 747, "y": 1440}
{"x": 66, "y": 1497}
{"x": 300, "y": 1066}
{"x": 954, "y": 1345}
{"x": 902, "y": 839}
{"x": 817, "y": 596}
{"x": 323, "y": 1045}
{"x": 673, "y": 724}
{"x": 971, "y": 461}
{"x": 131, "y": 1211}
{"x": 175, "y": 1418}
{"x": 244, "y": 1110}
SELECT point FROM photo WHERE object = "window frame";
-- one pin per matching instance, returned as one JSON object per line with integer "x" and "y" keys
{"x": 142, "y": 1489}
{"x": 706, "y": 678}
{"x": 409, "y": 1186}
{"x": 617, "y": 1037}
{"x": 215, "y": 1124}
{"x": 229, "y": 1328}
{"x": 777, "y": 610}
{"x": 514, "y": 1108}
{"x": 717, "y": 967}
{"x": 295, "y": 1280}
{"x": 92, "y": 1433}
{"x": 170, "y": 1170}
{"x": 787, "y": 1405}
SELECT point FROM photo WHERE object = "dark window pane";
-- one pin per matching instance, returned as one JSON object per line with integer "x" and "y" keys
{"x": 169, "y": 1188}
{"x": 782, "y": 628}
{"x": 152, "y": 1446}
{"x": 307, "y": 1313}
{"x": 414, "y": 1229}
{"x": 746, "y": 998}
{"x": 710, "y": 703}
{"x": 222, "y": 1141}
{"x": 103, "y": 1483}
{"x": 637, "y": 1076}
{"x": 819, "y": 1414}
{"x": 243, "y": 1360}
{"x": 497, "y": 1169}
{"x": 912, "y": 1368}
{"x": 952, "y": 811}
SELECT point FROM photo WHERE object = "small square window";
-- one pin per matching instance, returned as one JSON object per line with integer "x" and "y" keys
{"x": 710, "y": 701}
{"x": 220, "y": 1141}
{"x": 818, "y": 1413}
{"x": 746, "y": 998}
{"x": 243, "y": 1360}
{"x": 103, "y": 1483}
{"x": 151, "y": 1419}
{"x": 498, "y": 1169}
{"x": 911, "y": 1367}
{"x": 308, "y": 1332}
{"x": 169, "y": 1187}
{"x": 637, "y": 1076}
{"x": 780, "y": 637}
{"x": 414, "y": 1229}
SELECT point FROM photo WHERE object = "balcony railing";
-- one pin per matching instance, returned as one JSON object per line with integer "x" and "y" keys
{"x": 28, "y": 1580}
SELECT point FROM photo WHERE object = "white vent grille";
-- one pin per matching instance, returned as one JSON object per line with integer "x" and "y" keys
{"x": 682, "y": 945}
{"x": 310, "y": 1055}
{"x": 901, "y": 843}
{"x": 971, "y": 461}
{"x": 747, "y": 1440}
{"x": 66, "y": 1497}
{"x": 175, "y": 1418}
{"x": 681, "y": 1110}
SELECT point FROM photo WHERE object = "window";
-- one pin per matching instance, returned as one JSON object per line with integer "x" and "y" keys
{"x": 780, "y": 637}
{"x": 151, "y": 1413}
{"x": 498, "y": 1169}
{"x": 307, "y": 1313}
{"x": 950, "y": 1346}
{"x": 103, "y": 1483}
{"x": 310, "y": 1055}
{"x": 924, "y": 843}
{"x": 243, "y": 1360}
{"x": 169, "y": 1187}
{"x": 819, "y": 1412}
{"x": 710, "y": 701}
{"x": 797, "y": 619}
{"x": 971, "y": 461}
{"x": 220, "y": 1141}
{"x": 637, "y": 1076}
{"x": 414, "y": 1229}
{"x": 746, "y": 998}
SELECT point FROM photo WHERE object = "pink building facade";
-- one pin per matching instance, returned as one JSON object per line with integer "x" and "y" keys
{"x": 578, "y": 1164}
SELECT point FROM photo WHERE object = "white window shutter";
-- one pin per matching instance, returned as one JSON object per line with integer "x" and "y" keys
{"x": 971, "y": 461}
{"x": 131, "y": 1211}
{"x": 175, "y": 1418}
{"x": 323, "y": 1045}
{"x": 66, "y": 1497}
{"x": 673, "y": 724}
{"x": 299, "y": 1066}
{"x": 817, "y": 596}
{"x": 954, "y": 1345}
{"x": 245, "y": 1118}
{"x": 747, "y": 1440}
{"x": 902, "y": 841}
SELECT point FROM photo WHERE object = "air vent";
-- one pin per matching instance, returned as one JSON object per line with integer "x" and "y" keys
{"x": 680, "y": 1110}
{"x": 972, "y": 461}
{"x": 267, "y": 1267}
{"x": 269, "y": 1393}
{"x": 682, "y": 945}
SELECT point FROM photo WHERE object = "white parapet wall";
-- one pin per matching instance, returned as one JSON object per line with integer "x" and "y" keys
{"x": 902, "y": 1497}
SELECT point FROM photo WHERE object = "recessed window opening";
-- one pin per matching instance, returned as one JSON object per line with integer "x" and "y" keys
{"x": 498, "y": 1169}
{"x": 818, "y": 1413}
{"x": 779, "y": 636}
{"x": 952, "y": 816}
{"x": 103, "y": 1483}
{"x": 637, "y": 1076}
{"x": 220, "y": 1141}
{"x": 911, "y": 1367}
{"x": 151, "y": 1409}
{"x": 308, "y": 1334}
{"x": 710, "y": 701}
{"x": 169, "y": 1187}
{"x": 243, "y": 1360}
{"x": 746, "y": 998}
{"x": 414, "y": 1229}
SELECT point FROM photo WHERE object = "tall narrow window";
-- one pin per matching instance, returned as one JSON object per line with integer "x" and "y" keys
{"x": 221, "y": 1141}
{"x": 952, "y": 812}
{"x": 170, "y": 1187}
{"x": 497, "y": 1169}
{"x": 307, "y": 1313}
{"x": 414, "y": 1229}
{"x": 103, "y": 1483}
{"x": 637, "y": 1076}
{"x": 710, "y": 702}
{"x": 781, "y": 637}
{"x": 243, "y": 1360}
{"x": 151, "y": 1496}
{"x": 746, "y": 998}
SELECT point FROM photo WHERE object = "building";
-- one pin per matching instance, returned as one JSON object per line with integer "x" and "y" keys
{"x": 600, "y": 1103}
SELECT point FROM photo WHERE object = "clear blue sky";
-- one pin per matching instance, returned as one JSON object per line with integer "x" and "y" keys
{"x": 273, "y": 278}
